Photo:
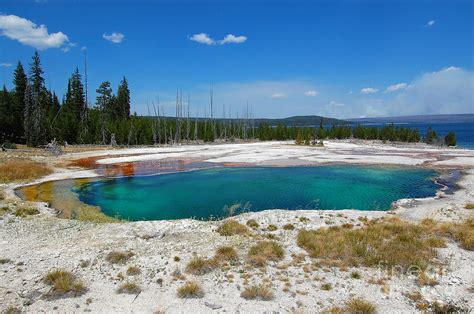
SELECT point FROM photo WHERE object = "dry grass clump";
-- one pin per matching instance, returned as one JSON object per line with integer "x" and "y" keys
{"x": 463, "y": 233}
{"x": 392, "y": 242}
{"x": 129, "y": 287}
{"x": 257, "y": 292}
{"x": 232, "y": 227}
{"x": 272, "y": 228}
{"x": 425, "y": 280}
{"x": 264, "y": 251}
{"x": 63, "y": 282}
{"x": 359, "y": 306}
{"x": 289, "y": 227}
{"x": 252, "y": 223}
{"x": 226, "y": 253}
{"x": 22, "y": 170}
{"x": 469, "y": 206}
{"x": 133, "y": 270}
{"x": 191, "y": 289}
{"x": 355, "y": 275}
{"x": 326, "y": 286}
{"x": 5, "y": 261}
{"x": 117, "y": 257}
{"x": 25, "y": 210}
{"x": 201, "y": 266}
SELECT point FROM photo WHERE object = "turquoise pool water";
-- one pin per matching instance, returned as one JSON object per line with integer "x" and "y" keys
{"x": 212, "y": 193}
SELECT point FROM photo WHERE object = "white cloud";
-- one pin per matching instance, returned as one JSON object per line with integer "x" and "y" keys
{"x": 83, "y": 48}
{"x": 334, "y": 103}
{"x": 278, "y": 95}
{"x": 30, "y": 34}
{"x": 396, "y": 87}
{"x": 310, "y": 93}
{"x": 115, "y": 37}
{"x": 430, "y": 23}
{"x": 232, "y": 39}
{"x": 203, "y": 38}
{"x": 368, "y": 90}
{"x": 5, "y": 65}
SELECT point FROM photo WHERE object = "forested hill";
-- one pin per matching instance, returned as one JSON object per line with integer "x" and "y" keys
{"x": 436, "y": 118}
{"x": 296, "y": 121}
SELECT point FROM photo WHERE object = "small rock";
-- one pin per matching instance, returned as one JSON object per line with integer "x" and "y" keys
{"x": 212, "y": 306}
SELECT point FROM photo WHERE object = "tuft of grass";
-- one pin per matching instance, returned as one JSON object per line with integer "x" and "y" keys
{"x": 22, "y": 170}
{"x": 304, "y": 219}
{"x": 360, "y": 306}
{"x": 264, "y": 251}
{"x": 272, "y": 228}
{"x": 133, "y": 270}
{"x": 201, "y": 266}
{"x": 24, "y": 210}
{"x": 63, "y": 281}
{"x": 257, "y": 292}
{"x": 232, "y": 227}
{"x": 425, "y": 280}
{"x": 252, "y": 223}
{"x": 326, "y": 286}
{"x": 289, "y": 227}
{"x": 12, "y": 310}
{"x": 5, "y": 261}
{"x": 392, "y": 242}
{"x": 355, "y": 275}
{"x": 176, "y": 258}
{"x": 463, "y": 233}
{"x": 414, "y": 296}
{"x": 129, "y": 287}
{"x": 469, "y": 206}
{"x": 118, "y": 257}
{"x": 191, "y": 289}
{"x": 226, "y": 253}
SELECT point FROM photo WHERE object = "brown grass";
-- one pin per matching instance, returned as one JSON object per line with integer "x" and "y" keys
{"x": 326, "y": 286}
{"x": 463, "y": 233}
{"x": 129, "y": 287}
{"x": 288, "y": 227}
{"x": 272, "y": 228}
{"x": 264, "y": 251}
{"x": 257, "y": 292}
{"x": 25, "y": 210}
{"x": 191, "y": 289}
{"x": 359, "y": 306}
{"x": 201, "y": 266}
{"x": 63, "y": 282}
{"x": 226, "y": 253}
{"x": 133, "y": 270}
{"x": 392, "y": 242}
{"x": 117, "y": 257}
{"x": 22, "y": 170}
{"x": 232, "y": 227}
{"x": 425, "y": 280}
{"x": 469, "y": 206}
{"x": 252, "y": 223}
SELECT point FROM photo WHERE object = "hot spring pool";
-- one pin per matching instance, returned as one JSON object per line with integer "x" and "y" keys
{"x": 213, "y": 193}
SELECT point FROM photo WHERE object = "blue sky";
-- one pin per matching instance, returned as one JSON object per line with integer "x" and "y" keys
{"x": 335, "y": 58}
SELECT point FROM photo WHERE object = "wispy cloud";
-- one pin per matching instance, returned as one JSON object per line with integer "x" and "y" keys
{"x": 368, "y": 90}
{"x": 396, "y": 87}
{"x": 334, "y": 103}
{"x": 5, "y": 65}
{"x": 430, "y": 23}
{"x": 115, "y": 37}
{"x": 206, "y": 39}
{"x": 278, "y": 95}
{"x": 232, "y": 39}
{"x": 30, "y": 34}
{"x": 203, "y": 38}
{"x": 310, "y": 93}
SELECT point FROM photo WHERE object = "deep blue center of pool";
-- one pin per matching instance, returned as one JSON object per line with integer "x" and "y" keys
{"x": 214, "y": 193}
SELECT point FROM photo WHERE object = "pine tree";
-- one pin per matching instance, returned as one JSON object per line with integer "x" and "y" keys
{"x": 6, "y": 121}
{"x": 450, "y": 139}
{"x": 36, "y": 102}
{"x": 123, "y": 99}
{"x": 20, "y": 81}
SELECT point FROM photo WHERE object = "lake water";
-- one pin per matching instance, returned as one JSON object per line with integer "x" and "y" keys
{"x": 212, "y": 193}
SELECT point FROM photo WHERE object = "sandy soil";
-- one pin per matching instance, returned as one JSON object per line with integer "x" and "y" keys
{"x": 39, "y": 243}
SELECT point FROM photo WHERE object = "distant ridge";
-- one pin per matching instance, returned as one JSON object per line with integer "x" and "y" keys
{"x": 433, "y": 118}
{"x": 299, "y": 121}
